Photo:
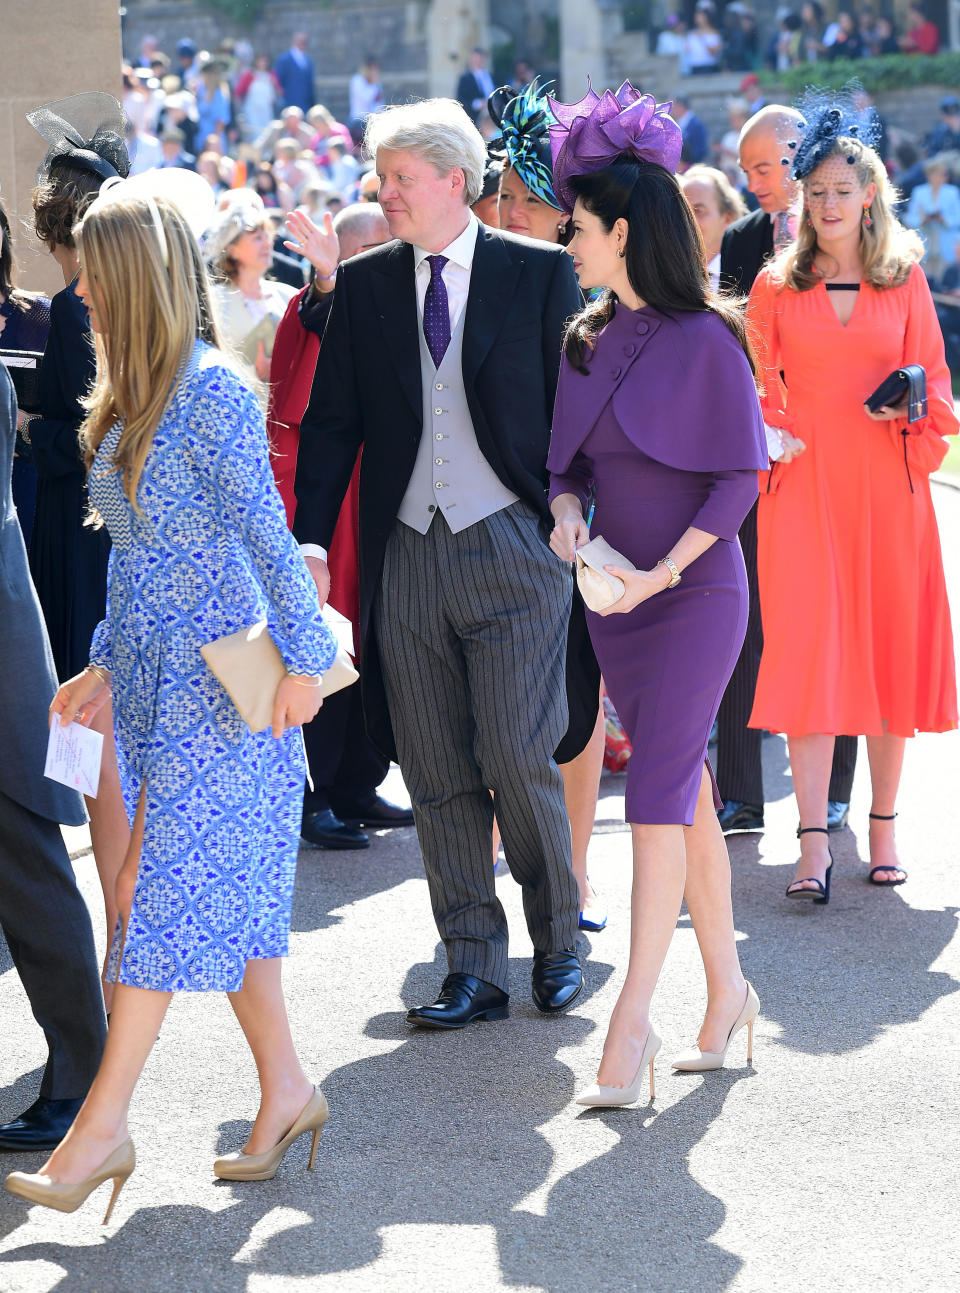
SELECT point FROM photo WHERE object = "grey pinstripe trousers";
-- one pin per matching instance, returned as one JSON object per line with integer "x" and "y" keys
{"x": 471, "y": 631}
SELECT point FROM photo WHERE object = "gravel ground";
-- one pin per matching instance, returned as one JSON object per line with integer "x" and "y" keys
{"x": 457, "y": 1162}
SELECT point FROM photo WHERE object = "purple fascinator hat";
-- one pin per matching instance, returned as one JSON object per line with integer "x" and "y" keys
{"x": 592, "y": 133}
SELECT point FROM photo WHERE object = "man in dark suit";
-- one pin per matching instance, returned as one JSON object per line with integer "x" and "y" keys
{"x": 345, "y": 766}
{"x": 475, "y": 85}
{"x": 42, "y": 913}
{"x": 441, "y": 359}
{"x": 747, "y": 244}
{"x": 696, "y": 140}
{"x": 294, "y": 71}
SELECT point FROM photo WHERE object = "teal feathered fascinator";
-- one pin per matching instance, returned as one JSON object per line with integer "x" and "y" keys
{"x": 524, "y": 121}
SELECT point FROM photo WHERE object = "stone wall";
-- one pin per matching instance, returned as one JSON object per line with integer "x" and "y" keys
{"x": 51, "y": 49}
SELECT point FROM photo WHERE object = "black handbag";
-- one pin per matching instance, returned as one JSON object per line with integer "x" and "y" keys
{"x": 24, "y": 368}
{"x": 911, "y": 381}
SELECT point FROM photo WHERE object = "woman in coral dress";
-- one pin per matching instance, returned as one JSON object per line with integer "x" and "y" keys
{"x": 856, "y": 624}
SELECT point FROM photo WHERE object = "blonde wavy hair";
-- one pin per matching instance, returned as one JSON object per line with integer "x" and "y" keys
{"x": 888, "y": 251}
{"x": 152, "y": 302}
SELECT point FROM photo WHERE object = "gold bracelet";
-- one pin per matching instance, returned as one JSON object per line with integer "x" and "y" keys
{"x": 674, "y": 569}
{"x": 99, "y": 672}
{"x": 305, "y": 679}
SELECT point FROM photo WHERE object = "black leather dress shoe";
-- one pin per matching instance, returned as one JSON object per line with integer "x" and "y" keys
{"x": 557, "y": 980}
{"x": 372, "y": 810}
{"x": 462, "y": 999}
{"x": 42, "y": 1126}
{"x": 325, "y": 831}
{"x": 737, "y": 816}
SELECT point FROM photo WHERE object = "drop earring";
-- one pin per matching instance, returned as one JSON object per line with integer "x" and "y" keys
{"x": 620, "y": 253}
{"x": 867, "y": 218}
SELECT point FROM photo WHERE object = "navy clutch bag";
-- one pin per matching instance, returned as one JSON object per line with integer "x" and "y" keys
{"x": 909, "y": 381}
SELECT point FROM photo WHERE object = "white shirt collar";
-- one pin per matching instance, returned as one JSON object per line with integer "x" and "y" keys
{"x": 460, "y": 251}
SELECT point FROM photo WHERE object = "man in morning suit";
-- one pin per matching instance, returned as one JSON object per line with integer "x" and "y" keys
{"x": 294, "y": 71}
{"x": 441, "y": 359}
{"x": 475, "y": 85}
{"x": 747, "y": 244}
{"x": 42, "y": 913}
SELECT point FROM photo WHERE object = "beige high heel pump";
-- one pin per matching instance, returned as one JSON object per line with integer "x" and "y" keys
{"x": 698, "y": 1061}
{"x": 263, "y": 1167}
{"x": 598, "y": 1096}
{"x": 67, "y": 1198}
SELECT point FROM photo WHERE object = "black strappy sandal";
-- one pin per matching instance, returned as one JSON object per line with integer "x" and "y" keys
{"x": 821, "y": 894}
{"x": 885, "y": 884}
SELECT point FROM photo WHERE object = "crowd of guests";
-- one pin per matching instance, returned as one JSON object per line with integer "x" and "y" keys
{"x": 490, "y": 366}
{"x": 925, "y": 172}
{"x": 803, "y": 35}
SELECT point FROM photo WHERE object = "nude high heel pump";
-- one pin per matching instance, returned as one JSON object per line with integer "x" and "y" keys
{"x": 609, "y": 1097}
{"x": 698, "y": 1061}
{"x": 263, "y": 1167}
{"x": 67, "y": 1198}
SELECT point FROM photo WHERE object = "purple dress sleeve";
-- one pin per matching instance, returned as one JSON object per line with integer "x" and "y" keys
{"x": 732, "y": 494}
{"x": 577, "y": 480}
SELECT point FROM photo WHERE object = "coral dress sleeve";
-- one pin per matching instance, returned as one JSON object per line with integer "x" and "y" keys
{"x": 763, "y": 324}
{"x": 923, "y": 344}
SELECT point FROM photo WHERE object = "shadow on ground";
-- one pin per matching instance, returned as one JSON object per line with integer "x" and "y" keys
{"x": 444, "y": 1129}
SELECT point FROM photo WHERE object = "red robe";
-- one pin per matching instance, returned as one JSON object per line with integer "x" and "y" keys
{"x": 292, "y": 368}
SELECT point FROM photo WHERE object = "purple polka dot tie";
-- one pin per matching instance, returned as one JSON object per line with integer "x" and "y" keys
{"x": 436, "y": 311}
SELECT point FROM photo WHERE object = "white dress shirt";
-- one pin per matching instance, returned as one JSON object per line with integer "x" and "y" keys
{"x": 456, "y": 272}
{"x": 456, "y": 279}
{"x": 713, "y": 272}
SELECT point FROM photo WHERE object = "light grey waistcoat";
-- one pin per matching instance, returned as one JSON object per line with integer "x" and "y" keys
{"x": 450, "y": 475}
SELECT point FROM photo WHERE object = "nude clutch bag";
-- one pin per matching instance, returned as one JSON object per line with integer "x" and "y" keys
{"x": 250, "y": 669}
{"x": 598, "y": 588}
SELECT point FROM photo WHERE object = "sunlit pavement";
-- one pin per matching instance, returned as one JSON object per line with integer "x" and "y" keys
{"x": 458, "y": 1162}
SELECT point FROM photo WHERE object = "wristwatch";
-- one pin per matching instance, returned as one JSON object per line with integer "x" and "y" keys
{"x": 674, "y": 569}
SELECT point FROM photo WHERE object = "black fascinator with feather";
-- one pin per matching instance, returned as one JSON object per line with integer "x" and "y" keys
{"x": 84, "y": 130}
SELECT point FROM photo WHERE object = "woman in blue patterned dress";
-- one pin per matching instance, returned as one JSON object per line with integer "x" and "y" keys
{"x": 180, "y": 474}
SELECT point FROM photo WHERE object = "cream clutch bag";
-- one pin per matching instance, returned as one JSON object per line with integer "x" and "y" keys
{"x": 598, "y": 588}
{"x": 250, "y": 669}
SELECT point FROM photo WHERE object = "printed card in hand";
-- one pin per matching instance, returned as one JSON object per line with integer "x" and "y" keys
{"x": 73, "y": 757}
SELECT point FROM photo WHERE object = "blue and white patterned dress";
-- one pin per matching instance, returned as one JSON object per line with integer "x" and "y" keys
{"x": 209, "y": 553}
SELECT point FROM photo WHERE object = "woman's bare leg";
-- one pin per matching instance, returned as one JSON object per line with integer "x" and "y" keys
{"x": 109, "y": 831}
{"x": 811, "y": 758}
{"x": 886, "y": 764}
{"x": 284, "y": 1087}
{"x": 659, "y": 868}
{"x": 581, "y": 786}
{"x": 101, "y": 1124}
{"x": 709, "y": 902}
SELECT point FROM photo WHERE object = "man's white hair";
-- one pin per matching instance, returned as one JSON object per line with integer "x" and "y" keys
{"x": 439, "y": 131}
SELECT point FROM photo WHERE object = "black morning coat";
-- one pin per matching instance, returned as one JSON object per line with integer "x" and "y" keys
{"x": 367, "y": 392}
{"x": 747, "y": 245}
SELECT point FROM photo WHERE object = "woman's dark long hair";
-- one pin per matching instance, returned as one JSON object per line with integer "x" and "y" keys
{"x": 7, "y": 288}
{"x": 665, "y": 260}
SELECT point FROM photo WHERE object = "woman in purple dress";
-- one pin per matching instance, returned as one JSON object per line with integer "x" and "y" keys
{"x": 657, "y": 418}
